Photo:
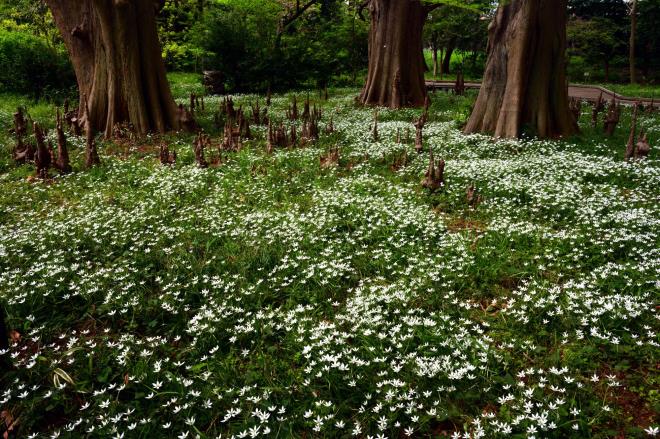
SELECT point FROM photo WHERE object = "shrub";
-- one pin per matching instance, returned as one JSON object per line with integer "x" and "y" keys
{"x": 28, "y": 65}
{"x": 243, "y": 43}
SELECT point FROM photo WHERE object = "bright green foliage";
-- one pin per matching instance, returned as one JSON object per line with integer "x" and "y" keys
{"x": 176, "y": 19}
{"x": 464, "y": 29}
{"x": 599, "y": 32}
{"x": 33, "y": 59}
{"x": 648, "y": 39}
{"x": 594, "y": 41}
{"x": 31, "y": 66}
{"x": 32, "y": 16}
{"x": 243, "y": 39}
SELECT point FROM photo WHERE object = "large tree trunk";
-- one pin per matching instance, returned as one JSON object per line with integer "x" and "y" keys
{"x": 396, "y": 65}
{"x": 114, "y": 48}
{"x": 525, "y": 84}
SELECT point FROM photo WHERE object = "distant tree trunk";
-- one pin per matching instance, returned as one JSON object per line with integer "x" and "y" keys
{"x": 435, "y": 61}
{"x": 607, "y": 70}
{"x": 525, "y": 79}
{"x": 446, "y": 61}
{"x": 633, "y": 39}
{"x": 396, "y": 64}
{"x": 442, "y": 70}
{"x": 114, "y": 48}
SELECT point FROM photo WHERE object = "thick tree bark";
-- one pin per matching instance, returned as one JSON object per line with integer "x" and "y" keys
{"x": 396, "y": 64}
{"x": 525, "y": 84}
{"x": 114, "y": 48}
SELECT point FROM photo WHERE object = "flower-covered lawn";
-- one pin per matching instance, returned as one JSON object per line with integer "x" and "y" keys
{"x": 270, "y": 296}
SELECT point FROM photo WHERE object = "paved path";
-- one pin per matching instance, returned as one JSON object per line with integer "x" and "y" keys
{"x": 585, "y": 92}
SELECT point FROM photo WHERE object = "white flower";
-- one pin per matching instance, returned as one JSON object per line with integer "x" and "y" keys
{"x": 652, "y": 431}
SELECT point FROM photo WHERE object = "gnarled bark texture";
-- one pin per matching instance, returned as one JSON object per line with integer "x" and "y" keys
{"x": 525, "y": 84}
{"x": 396, "y": 65}
{"x": 114, "y": 48}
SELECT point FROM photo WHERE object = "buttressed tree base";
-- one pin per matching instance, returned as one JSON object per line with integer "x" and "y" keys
{"x": 396, "y": 65}
{"x": 116, "y": 55}
{"x": 525, "y": 85}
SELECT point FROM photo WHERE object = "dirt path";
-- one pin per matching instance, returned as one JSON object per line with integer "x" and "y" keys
{"x": 585, "y": 92}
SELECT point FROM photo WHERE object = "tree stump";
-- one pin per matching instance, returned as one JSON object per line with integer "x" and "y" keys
{"x": 63, "y": 163}
{"x": 434, "y": 179}
{"x": 198, "y": 148}
{"x": 599, "y": 106}
{"x": 214, "y": 82}
{"x": 643, "y": 146}
{"x": 419, "y": 135}
{"x": 23, "y": 152}
{"x": 43, "y": 159}
{"x": 612, "y": 119}
{"x": 575, "y": 106}
{"x": 166, "y": 157}
{"x": 630, "y": 147}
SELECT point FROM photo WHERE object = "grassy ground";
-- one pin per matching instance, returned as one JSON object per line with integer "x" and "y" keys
{"x": 634, "y": 90}
{"x": 268, "y": 296}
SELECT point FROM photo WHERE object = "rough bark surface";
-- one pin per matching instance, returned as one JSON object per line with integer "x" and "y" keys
{"x": 114, "y": 48}
{"x": 396, "y": 65}
{"x": 525, "y": 84}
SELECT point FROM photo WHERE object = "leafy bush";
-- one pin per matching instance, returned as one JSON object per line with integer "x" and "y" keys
{"x": 242, "y": 41}
{"x": 28, "y": 65}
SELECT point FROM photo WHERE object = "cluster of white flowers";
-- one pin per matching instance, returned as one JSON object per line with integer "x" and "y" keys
{"x": 270, "y": 297}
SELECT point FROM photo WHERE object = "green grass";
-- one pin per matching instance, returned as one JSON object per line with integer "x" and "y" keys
{"x": 634, "y": 90}
{"x": 457, "y": 58}
{"x": 271, "y": 295}
{"x": 185, "y": 83}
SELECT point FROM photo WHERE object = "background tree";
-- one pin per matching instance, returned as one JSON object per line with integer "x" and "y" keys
{"x": 595, "y": 41}
{"x": 396, "y": 63}
{"x": 246, "y": 41}
{"x": 633, "y": 40}
{"x": 31, "y": 16}
{"x": 451, "y": 28}
{"x": 648, "y": 40}
{"x": 525, "y": 83}
{"x": 176, "y": 21}
{"x": 115, "y": 52}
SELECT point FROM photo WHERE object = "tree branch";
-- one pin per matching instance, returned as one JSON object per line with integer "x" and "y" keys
{"x": 430, "y": 8}
{"x": 361, "y": 9}
{"x": 291, "y": 17}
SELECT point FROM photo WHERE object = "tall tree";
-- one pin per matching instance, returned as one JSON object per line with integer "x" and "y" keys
{"x": 525, "y": 83}
{"x": 115, "y": 52}
{"x": 633, "y": 40}
{"x": 648, "y": 40}
{"x": 596, "y": 41}
{"x": 461, "y": 28}
{"x": 396, "y": 64}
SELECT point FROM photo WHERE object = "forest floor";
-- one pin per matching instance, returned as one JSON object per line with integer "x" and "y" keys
{"x": 294, "y": 295}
